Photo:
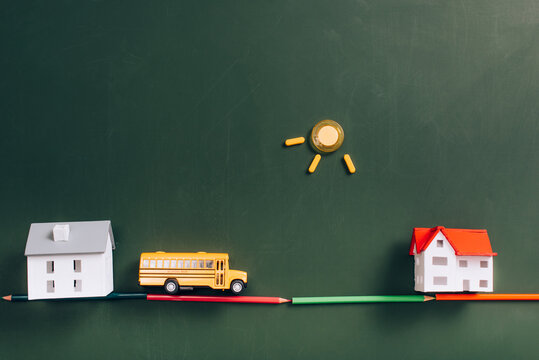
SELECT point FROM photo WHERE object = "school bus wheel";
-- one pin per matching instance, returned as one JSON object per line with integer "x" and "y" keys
{"x": 237, "y": 287}
{"x": 171, "y": 286}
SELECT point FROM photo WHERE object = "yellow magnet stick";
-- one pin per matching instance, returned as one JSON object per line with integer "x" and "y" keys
{"x": 314, "y": 163}
{"x": 294, "y": 141}
{"x": 349, "y": 163}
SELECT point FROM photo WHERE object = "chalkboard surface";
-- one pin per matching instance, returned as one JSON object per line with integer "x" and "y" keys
{"x": 168, "y": 118}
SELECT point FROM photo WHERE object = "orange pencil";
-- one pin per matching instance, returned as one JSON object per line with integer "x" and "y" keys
{"x": 481, "y": 297}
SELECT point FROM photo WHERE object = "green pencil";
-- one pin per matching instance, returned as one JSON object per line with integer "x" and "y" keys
{"x": 359, "y": 299}
{"x": 111, "y": 296}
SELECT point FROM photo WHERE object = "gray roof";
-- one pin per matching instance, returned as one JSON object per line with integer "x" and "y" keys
{"x": 84, "y": 237}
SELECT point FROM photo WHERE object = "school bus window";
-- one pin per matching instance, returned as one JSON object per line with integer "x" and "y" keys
{"x": 172, "y": 263}
{"x": 209, "y": 264}
{"x": 186, "y": 264}
{"x": 193, "y": 264}
{"x": 145, "y": 263}
{"x": 152, "y": 263}
{"x": 159, "y": 263}
{"x": 201, "y": 264}
{"x": 166, "y": 263}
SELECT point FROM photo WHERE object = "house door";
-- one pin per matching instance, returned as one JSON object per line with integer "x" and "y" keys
{"x": 219, "y": 273}
{"x": 465, "y": 285}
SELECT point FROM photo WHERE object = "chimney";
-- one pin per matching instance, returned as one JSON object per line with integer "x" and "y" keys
{"x": 60, "y": 232}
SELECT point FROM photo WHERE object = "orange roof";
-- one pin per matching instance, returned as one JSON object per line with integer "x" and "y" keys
{"x": 463, "y": 241}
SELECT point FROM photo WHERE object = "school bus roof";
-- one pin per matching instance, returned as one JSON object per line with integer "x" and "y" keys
{"x": 191, "y": 255}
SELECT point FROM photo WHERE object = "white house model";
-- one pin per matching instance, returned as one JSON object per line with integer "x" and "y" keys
{"x": 69, "y": 259}
{"x": 452, "y": 260}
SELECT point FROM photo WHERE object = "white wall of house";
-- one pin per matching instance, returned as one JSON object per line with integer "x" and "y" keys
{"x": 419, "y": 266}
{"x": 438, "y": 269}
{"x": 109, "y": 273}
{"x": 477, "y": 270}
{"x": 94, "y": 279}
{"x": 440, "y": 265}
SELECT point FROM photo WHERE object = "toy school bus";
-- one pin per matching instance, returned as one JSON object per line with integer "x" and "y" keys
{"x": 173, "y": 270}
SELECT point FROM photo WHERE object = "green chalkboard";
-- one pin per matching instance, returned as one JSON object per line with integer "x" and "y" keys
{"x": 168, "y": 118}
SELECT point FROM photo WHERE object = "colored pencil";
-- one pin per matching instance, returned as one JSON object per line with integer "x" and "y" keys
{"x": 111, "y": 296}
{"x": 15, "y": 298}
{"x": 490, "y": 297}
{"x": 224, "y": 299}
{"x": 359, "y": 299}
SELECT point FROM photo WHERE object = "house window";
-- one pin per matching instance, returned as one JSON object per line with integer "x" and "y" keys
{"x": 439, "y": 280}
{"x": 50, "y": 286}
{"x": 439, "y": 260}
{"x": 463, "y": 263}
{"x": 76, "y": 265}
{"x": 439, "y": 243}
{"x": 483, "y": 283}
{"x": 484, "y": 264}
{"x": 50, "y": 267}
{"x": 77, "y": 285}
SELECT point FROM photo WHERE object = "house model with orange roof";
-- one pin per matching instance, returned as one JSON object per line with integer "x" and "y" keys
{"x": 452, "y": 260}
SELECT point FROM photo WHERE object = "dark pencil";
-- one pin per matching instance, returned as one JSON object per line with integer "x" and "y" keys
{"x": 15, "y": 298}
{"x": 491, "y": 297}
{"x": 111, "y": 296}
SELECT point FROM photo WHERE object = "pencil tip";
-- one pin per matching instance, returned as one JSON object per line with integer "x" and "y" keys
{"x": 281, "y": 300}
{"x": 7, "y": 297}
{"x": 429, "y": 298}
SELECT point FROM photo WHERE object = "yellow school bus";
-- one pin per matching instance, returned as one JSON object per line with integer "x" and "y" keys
{"x": 175, "y": 270}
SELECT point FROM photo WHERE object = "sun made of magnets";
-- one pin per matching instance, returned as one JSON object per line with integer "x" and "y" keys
{"x": 326, "y": 137}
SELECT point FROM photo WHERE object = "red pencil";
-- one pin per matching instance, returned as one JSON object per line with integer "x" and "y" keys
{"x": 225, "y": 299}
{"x": 506, "y": 297}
